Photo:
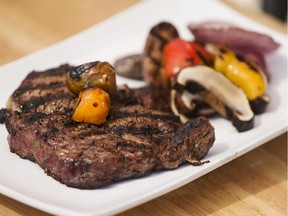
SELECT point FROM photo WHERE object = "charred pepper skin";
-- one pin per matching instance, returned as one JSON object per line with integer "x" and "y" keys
{"x": 247, "y": 75}
{"x": 179, "y": 53}
{"x": 92, "y": 106}
{"x": 93, "y": 74}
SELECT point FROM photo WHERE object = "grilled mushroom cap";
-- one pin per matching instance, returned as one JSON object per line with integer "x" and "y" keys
{"x": 129, "y": 66}
{"x": 216, "y": 90}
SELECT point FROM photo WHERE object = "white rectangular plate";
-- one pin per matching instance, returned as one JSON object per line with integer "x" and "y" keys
{"x": 123, "y": 34}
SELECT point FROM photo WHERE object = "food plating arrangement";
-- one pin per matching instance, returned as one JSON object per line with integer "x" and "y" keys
{"x": 87, "y": 132}
{"x": 223, "y": 70}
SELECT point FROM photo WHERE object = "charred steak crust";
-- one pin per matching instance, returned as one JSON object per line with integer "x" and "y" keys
{"x": 43, "y": 92}
{"x": 135, "y": 140}
{"x": 88, "y": 156}
{"x": 2, "y": 115}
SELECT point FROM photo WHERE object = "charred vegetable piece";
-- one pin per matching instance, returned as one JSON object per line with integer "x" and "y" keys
{"x": 129, "y": 66}
{"x": 259, "y": 105}
{"x": 3, "y": 115}
{"x": 92, "y": 74}
{"x": 216, "y": 90}
{"x": 253, "y": 44}
{"x": 256, "y": 57}
{"x": 92, "y": 106}
{"x": 158, "y": 37}
{"x": 188, "y": 105}
{"x": 245, "y": 74}
{"x": 179, "y": 53}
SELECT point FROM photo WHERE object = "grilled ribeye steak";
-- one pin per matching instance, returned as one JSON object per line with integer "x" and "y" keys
{"x": 134, "y": 141}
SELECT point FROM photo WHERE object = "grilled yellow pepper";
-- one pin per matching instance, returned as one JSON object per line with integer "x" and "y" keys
{"x": 242, "y": 73}
{"x": 92, "y": 106}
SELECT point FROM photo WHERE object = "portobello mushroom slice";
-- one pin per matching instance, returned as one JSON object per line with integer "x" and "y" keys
{"x": 217, "y": 91}
{"x": 129, "y": 66}
{"x": 187, "y": 105}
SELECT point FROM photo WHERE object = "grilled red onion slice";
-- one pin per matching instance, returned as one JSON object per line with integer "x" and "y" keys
{"x": 232, "y": 36}
{"x": 254, "y": 56}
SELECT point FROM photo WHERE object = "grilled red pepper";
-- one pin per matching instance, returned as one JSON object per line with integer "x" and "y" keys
{"x": 179, "y": 53}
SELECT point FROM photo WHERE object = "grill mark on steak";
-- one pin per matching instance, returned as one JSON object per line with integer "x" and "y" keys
{"x": 137, "y": 138}
{"x": 93, "y": 161}
{"x": 39, "y": 87}
{"x": 25, "y": 93}
{"x": 49, "y": 103}
{"x": 146, "y": 130}
{"x": 124, "y": 115}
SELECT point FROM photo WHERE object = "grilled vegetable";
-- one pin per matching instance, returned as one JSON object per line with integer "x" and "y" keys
{"x": 92, "y": 106}
{"x": 179, "y": 53}
{"x": 202, "y": 82}
{"x": 157, "y": 38}
{"x": 249, "y": 43}
{"x": 129, "y": 66}
{"x": 92, "y": 74}
{"x": 232, "y": 36}
{"x": 245, "y": 74}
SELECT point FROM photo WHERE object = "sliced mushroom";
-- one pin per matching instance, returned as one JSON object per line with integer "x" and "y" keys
{"x": 243, "y": 73}
{"x": 218, "y": 91}
{"x": 187, "y": 105}
{"x": 129, "y": 66}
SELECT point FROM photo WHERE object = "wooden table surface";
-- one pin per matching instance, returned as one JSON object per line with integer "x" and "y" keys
{"x": 253, "y": 184}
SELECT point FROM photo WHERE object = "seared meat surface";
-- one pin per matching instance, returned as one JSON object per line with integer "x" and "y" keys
{"x": 137, "y": 138}
{"x": 134, "y": 142}
{"x": 43, "y": 92}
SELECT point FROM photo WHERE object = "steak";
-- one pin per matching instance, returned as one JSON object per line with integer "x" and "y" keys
{"x": 43, "y": 92}
{"x": 137, "y": 138}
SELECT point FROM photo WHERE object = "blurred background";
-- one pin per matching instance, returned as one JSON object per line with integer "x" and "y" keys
{"x": 29, "y": 25}
{"x": 276, "y": 8}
